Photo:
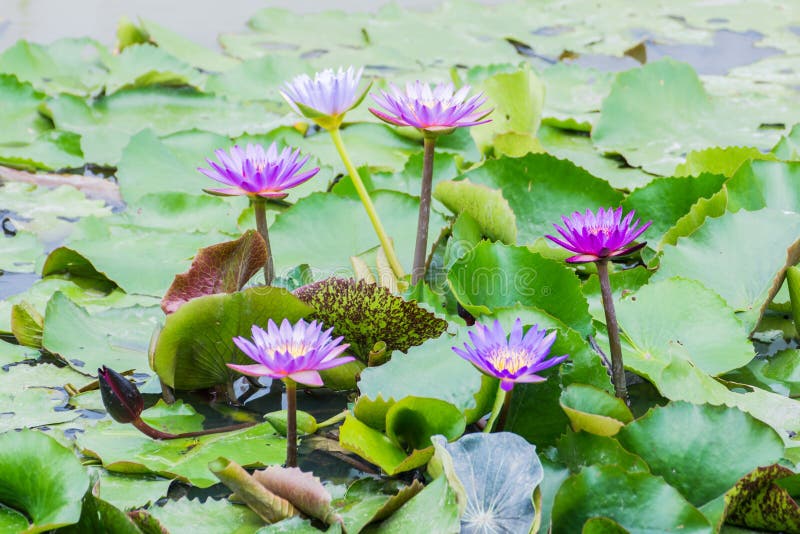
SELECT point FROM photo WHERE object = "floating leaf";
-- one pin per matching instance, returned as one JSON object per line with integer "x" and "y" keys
{"x": 638, "y": 502}
{"x": 692, "y": 447}
{"x": 493, "y": 275}
{"x": 484, "y": 205}
{"x": 222, "y": 268}
{"x": 581, "y": 449}
{"x": 183, "y": 360}
{"x": 412, "y": 421}
{"x": 377, "y": 448}
{"x": 98, "y": 515}
{"x": 42, "y": 479}
{"x": 718, "y": 160}
{"x": 219, "y": 515}
{"x": 488, "y": 465}
{"x": 730, "y": 256}
{"x": 435, "y": 507}
{"x": 757, "y": 502}
{"x": 33, "y": 396}
{"x": 366, "y": 314}
{"x": 760, "y": 184}
{"x": 594, "y": 410}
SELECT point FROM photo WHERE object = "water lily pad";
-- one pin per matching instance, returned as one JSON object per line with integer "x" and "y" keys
{"x": 483, "y": 204}
{"x": 493, "y": 275}
{"x": 639, "y": 502}
{"x": 142, "y": 65}
{"x": 185, "y": 49}
{"x": 258, "y": 78}
{"x": 185, "y": 361}
{"x": 488, "y": 465}
{"x": 692, "y": 448}
{"x": 33, "y": 396}
{"x": 445, "y": 377}
{"x": 435, "y": 507}
{"x": 656, "y": 137}
{"x": 718, "y": 160}
{"x": 758, "y": 501}
{"x": 128, "y": 491}
{"x": 412, "y": 421}
{"x": 580, "y": 449}
{"x": 97, "y": 515}
{"x": 366, "y": 314}
{"x": 118, "y": 338}
{"x": 11, "y": 353}
{"x": 714, "y": 255}
{"x": 550, "y": 188}
{"x": 42, "y": 479}
{"x": 221, "y": 268}
{"x": 788, "y": 148}
{"x": 379, "y": 449}
{"x": 760, "y": 184}
{"x": 180, "y": 517}
{"x": 594, "y": 410}
{"x": 19, "y": 112}
{"x": 123, "y": 449}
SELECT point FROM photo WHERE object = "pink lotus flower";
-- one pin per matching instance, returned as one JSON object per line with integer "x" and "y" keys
{"x": 514, "y": 358}
{"x": 439, "y": 110}
{"x": 257, "y": 172}
{"x": 297, "y": 353}
{"x": 597, "y": 237}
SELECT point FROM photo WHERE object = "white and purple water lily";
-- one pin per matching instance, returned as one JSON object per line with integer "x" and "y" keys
{"x": 597, "y": 237}
{"x": 513, "y": 358}
{"x": 327, "y": 96}
{"x": 435, "y": 110}
{"x": 296, "y": 352}
{"x": 257, "y": 172}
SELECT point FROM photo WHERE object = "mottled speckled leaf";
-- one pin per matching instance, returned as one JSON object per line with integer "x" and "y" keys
{"x": 488, "y": 465}
{"x": 365, "y": 314}
{"x": 757, "y": 502}
{"x": 222, "y": 268}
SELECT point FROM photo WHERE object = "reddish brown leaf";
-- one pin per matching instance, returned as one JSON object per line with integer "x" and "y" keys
{"x": 303, "y": 490}
{"x": 221, "y": 268}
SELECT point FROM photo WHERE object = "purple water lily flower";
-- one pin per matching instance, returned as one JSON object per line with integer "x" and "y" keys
{"x": 297, "y": 353}
{"x": 438, "y": 110}
{"x": 514, "y": 358}
{"x": 597, "y": 237}
{"x": 257, "y": 172}
{"x": 328, "y": 94}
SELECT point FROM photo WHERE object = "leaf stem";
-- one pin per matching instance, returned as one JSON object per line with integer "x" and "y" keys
{"x": 421, "y": 248}
{"x": 333, "y": 420}
{"x": 154, "y": 433}
{"x": 291, "y": 422}
{"x": 617, "y": 365}
{"x": 388, "y": 249}
{"x": 260, "y": 209}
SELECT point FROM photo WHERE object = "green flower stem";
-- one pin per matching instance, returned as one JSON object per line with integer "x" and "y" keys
{"x": 421, "y": 249}
{"x": 260, "y": 208}
{"x": 617, "y": 365}
{"x": 388, "y": 249}
{"x": 291, "y": 422}
{"x": 497, "y": 419}
{"x": 154, "y": 433}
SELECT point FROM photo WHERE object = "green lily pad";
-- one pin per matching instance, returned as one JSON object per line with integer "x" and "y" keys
{"x": 42, "y": 479}
{"x": 485, "y": 466}
{"x": 580, "y": 449}
{"x": 718, "y": 160}
{"x": 51, "y": 151}
{"x": 368, "y": 500}
{"x": 185, "y": 361}
{"x": 412, "y": 421}
{"x": 574, "y": 95}
{"x": 788, "y": 148}
{"x": 493, "y": 275}
{"x": 681, "y": 319}
{"x": 20, "y": 253}
{"x": 376, "y": 447}
{"x": 665, "y": 200}
{"x": 180, "y": 517}
{"x": 639, "y": 502}
{"x": 623, "y": 283}
{"x": 550, "y": 188}
{"x": 714, "y": 255}
{"x": 435, "y": 507}
{"x": 484, "y": 205}
{"x": 11, "y": 353}
{"x": 366, "y": 314}
{"x": 258, "y": 78}
{"x": 33, "y": 396}
{"x": 445, "y": 377}
{"x": 655, "y": 137}
{"x": 186, "y": 212}
{"x": 517, "y": 98}
{"x": 123, "y": 449}
{"x": 692, "y": 447}
{"x": 142, "y": 65}
{"x": 320, "y": 217}
{"x": 760, "y": 184}
{"x": 19, "y": 112}
{"x": 221, "y": 268}
{"x": 71, "y": 65}
{"x": 594, "y": 410}
{"x": 128, "y": 491}
{"x": 186, "y": 50}
{"x": 139, "y": 260}
{"x": 98, "y": 515}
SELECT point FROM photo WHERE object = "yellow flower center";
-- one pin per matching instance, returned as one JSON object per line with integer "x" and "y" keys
{"x": 295, "y": 349}
{"x": 506, "y": 359}
{"x": 594, "y": 230}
